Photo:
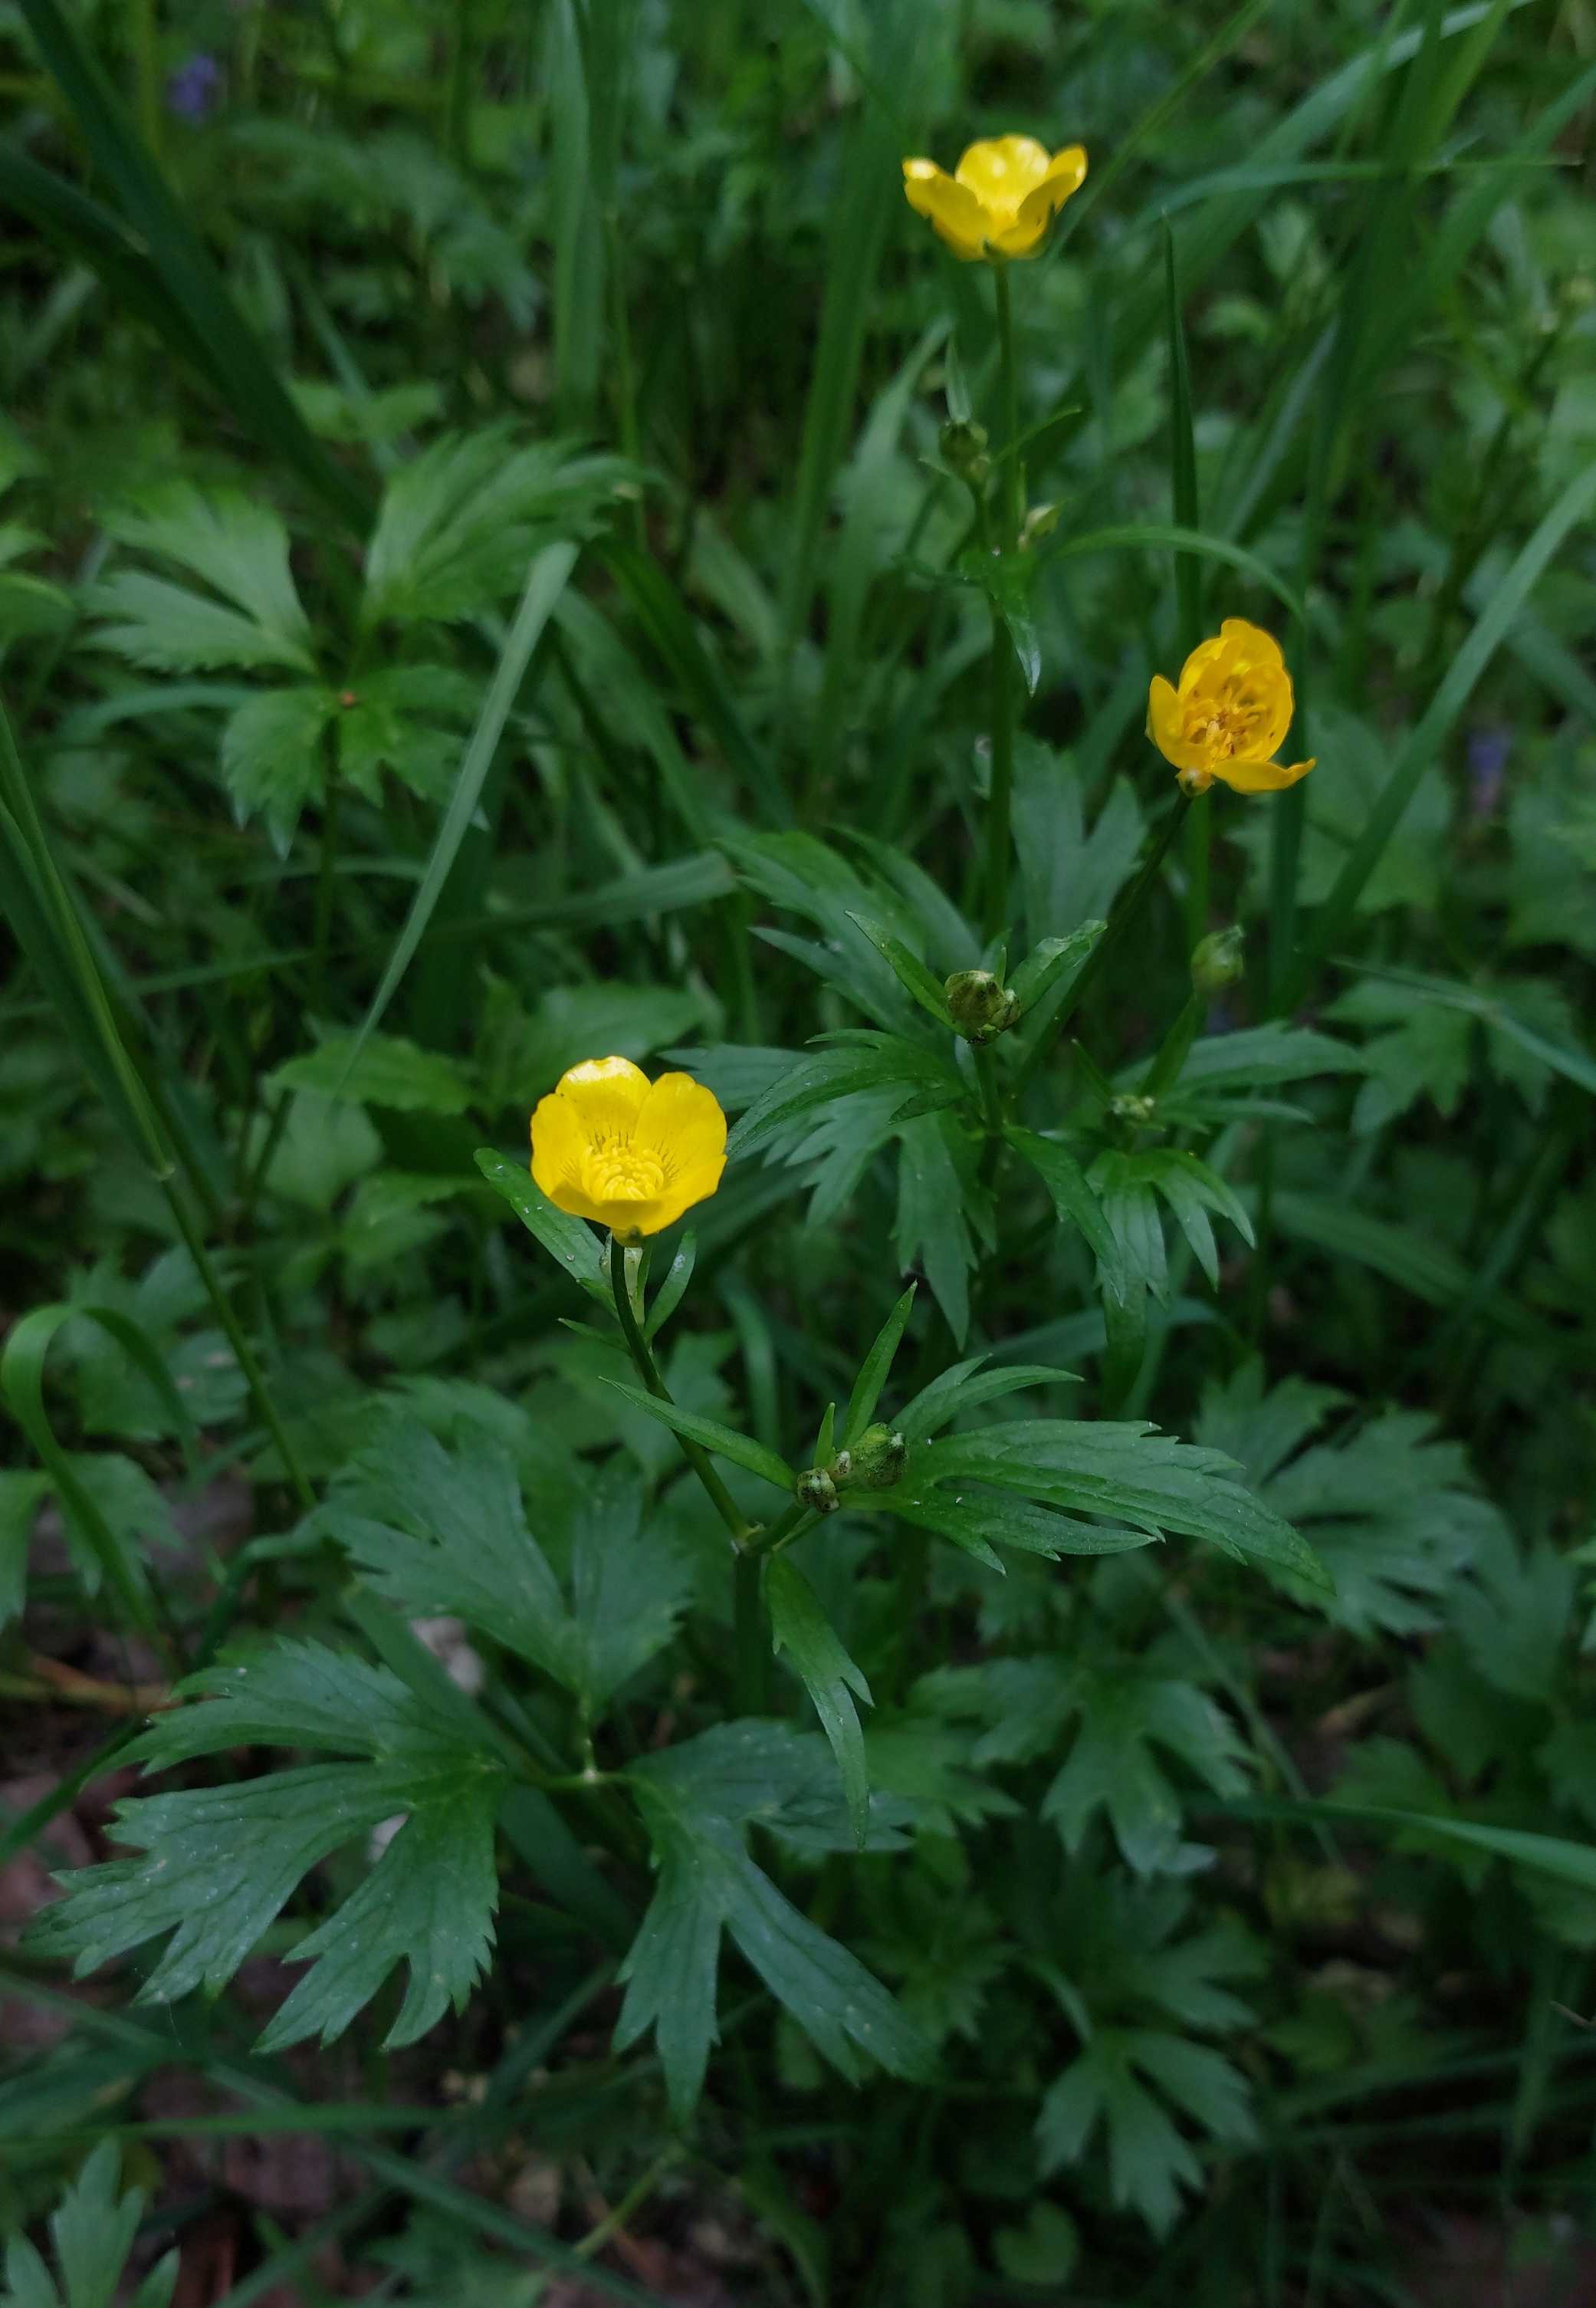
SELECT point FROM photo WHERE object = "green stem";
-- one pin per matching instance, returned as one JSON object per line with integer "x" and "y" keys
{"x": 1198, "y": 829}
{"x": 1122, "y": 915}
{"x": 749, "y": 1630}
{"x": 999, "y": 841}
{"x": 1000, "y": 803}
{"x": 786, "y": 1526}
{"x": 697, "y": 1457}
{"x": 1008, "y": 386}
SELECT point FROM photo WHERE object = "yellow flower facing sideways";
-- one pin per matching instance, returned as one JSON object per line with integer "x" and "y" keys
{"x": 1001, "y": 199}
{"x": 1229, "y": 713}
{"x": 610, "y": 1145}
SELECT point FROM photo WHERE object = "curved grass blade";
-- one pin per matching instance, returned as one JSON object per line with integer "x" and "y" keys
{"x": 546, "y": 582}
{"x": 21, "y": 1382}
{"x": 1173, "y": 537}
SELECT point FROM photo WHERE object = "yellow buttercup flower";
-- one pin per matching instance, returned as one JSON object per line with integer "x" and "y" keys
{"x": 610, "y": 1145}
{"x": 1001, "y": 199}
{"x": 1229, "y": 713}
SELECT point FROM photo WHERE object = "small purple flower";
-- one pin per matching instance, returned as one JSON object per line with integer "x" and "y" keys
{"x": 1489, "y": 747}
{"x": 195, "y": 88}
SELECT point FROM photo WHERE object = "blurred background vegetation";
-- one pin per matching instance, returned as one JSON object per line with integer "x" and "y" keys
{"x": 322, "y": 323}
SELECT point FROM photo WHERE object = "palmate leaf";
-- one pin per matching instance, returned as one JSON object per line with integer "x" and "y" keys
{"x": 459, "y": 523}
{"x": 1113, "y": 2083}
{"x": 170, "y": 627}
{"x": 233, "y": 543}
{"x": 937, "y": 1196}
{"x": 849, "y": 1061}
{"x": 1133, "y": 1483}
{"x": 1128, "y": 1722}
{"x": 273, "y": 757}
{"x": 1076, "y": 1201}
{"x": 1388, "y": 1508}
{"x": 444, "y": 1533}
{"x": 800, "y": 1627}
{"x": 1223, "y": 1068}
{"x": 383, "y": 1070}
{"x": 708, "y": 1884}
{"x": 409, "y": 719}
{"x": 92, "y": 2229}
{"x": 219, "y": 1863}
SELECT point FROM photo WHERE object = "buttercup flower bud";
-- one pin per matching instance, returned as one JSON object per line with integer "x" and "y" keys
{"x": 878, "y": 1459}
{"x": 981, "y": 1006}
{"x": 1216, "y": 960}
{"x": 963, "y": 443}
{"x": 816, "y": 1490}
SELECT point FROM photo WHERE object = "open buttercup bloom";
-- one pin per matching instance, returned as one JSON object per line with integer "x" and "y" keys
{"x": 1229, "y": 715}
{"x": 1001, "y": 199}
{"x": 610, "y": 1145}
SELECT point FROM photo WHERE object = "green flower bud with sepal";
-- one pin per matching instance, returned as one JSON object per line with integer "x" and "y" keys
{"x": 815, "y": 1490}
{"x": 982, "y": 1007}
{"x": 962, "y": 444}
{"x": 878, "y": 1459}
{"x": 1216, "y": 960}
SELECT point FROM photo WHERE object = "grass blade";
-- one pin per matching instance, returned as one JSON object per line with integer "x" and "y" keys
{"x": 546, "y": 582}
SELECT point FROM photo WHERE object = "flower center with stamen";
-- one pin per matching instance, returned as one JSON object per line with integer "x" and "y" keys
{"x": 616, "y": 1172}
{"x": 1226, "y": 724}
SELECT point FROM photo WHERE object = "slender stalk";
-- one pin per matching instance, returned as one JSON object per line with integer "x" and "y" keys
{"x": 647, "y": 1370}
{"x": 749, "y": 1635}
{"x": 787, "y": 1525}
{"x": 1197, "y": 826}
{"x": 999, "y": 841}
{"x": 999, "y": 796}
{"x": 1008, "y": 386}
{"x": 1119, "y": 919}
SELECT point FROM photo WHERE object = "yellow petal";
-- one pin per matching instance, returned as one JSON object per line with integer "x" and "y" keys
{"x": 1164, "y": 718}
{"x": 605, "y": 1096}
{"x": 1066, "y": 174}
{"x": 682, "y": 1123}
{"x": 629, "y": 1218}
{"x": 954, "y": 212}
{"x": 1252, "y": 642}
{"x": 558, "y": 1145}
{"x": 1208, "y": 657}
{"x": 1259, "y": 777}
{"x": 1000, "y": 170}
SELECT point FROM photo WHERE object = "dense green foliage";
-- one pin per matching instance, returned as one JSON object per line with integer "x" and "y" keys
{"x": 1004, "y": 1713}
